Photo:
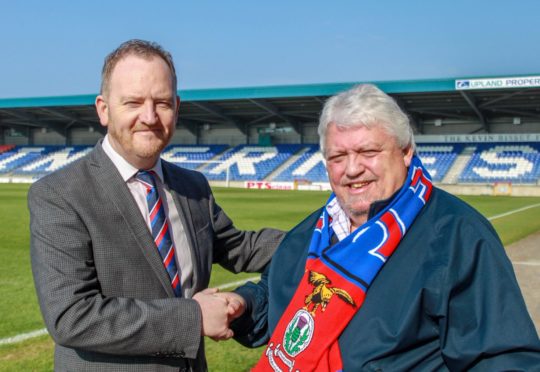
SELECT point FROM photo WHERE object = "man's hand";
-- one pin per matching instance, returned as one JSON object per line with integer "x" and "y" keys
{"x": 217, "y": 312}
{"x": 236, "y": 304}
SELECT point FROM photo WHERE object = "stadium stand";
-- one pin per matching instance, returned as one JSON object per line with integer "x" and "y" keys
{"x": 52, "y": 159}
{"x": 438, "y": 159}
{"x": 192, "y": 156}
{"x": 17, "y": 157}
{"x": 308, "y": 167}
{"x": 472, "y": 137}
{"x": 4, "y": 148}
{"x": 472, "y": 163}
{"x": 248, "y": 162}
{"x": 503, "y": 162}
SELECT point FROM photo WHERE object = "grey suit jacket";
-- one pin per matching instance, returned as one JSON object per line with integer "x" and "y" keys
{"x": 103, "y": 291}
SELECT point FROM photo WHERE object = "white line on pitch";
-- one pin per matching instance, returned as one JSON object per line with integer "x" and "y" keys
{"x": 237, "y": 283}
{"x": 23, "y": 337}
{"x": 527, "y": 263}
{"x": 40, "y": 332}
{"x": 512, "y": 212}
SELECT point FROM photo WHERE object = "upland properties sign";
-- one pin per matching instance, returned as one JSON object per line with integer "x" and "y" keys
{"x": 499, "y": 83}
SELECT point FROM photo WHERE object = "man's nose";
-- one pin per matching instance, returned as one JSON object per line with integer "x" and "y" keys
{"x": 354, "y": 166}
{"x": 148, "y": 115}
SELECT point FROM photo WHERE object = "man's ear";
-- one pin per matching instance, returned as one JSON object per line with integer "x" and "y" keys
{"x": 407, "y": 155}
{"x": 102, "y": 109}
{"x": 177, "y": 104}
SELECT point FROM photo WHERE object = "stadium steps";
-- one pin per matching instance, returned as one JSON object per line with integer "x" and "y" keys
{"x": 286, "y": 164}
{"x": 459, "y": 165}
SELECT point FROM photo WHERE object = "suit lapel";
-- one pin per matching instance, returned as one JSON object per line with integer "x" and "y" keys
{"x": 109, "y": 180}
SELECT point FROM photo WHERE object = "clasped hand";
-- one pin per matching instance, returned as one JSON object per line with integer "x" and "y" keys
{"x": 218, "y": 310}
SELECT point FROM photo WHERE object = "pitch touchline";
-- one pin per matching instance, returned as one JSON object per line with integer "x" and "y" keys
{"x": 238, "y": 282}
{"x": 25, "y": 336}
{"x": 512, "y": 212}
{"x": 527, "y": 263}
{"x": 40, "y": 332}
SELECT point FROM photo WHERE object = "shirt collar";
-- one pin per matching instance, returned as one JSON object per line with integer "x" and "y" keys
{"x": 127, "y": 170}
{"x": 341, "y": 223}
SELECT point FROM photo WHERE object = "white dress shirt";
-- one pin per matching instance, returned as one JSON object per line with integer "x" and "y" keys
{"x": 183, "y": 254}
{"x": 341, "y": 224}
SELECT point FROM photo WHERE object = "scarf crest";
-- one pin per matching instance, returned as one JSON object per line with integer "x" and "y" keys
{"x": 336, "y": 280}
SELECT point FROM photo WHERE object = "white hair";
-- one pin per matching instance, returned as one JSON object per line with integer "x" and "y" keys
{"x": 369, "y": 106}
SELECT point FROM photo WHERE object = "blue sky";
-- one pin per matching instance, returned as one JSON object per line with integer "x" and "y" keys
{"x": 51, "y": 48}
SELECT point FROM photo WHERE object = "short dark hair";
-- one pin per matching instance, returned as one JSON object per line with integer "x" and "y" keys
{"x": 140, "y": 48}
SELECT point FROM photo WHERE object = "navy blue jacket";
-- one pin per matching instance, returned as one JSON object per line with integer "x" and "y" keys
{"x": 447, "y": 299}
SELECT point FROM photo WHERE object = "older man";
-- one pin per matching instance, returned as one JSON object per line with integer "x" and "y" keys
{"x": 122, "y": 242}
{"x": 392, "y": 273}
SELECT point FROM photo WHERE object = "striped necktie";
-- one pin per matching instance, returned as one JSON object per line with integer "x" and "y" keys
{"x": 160, "y": 228}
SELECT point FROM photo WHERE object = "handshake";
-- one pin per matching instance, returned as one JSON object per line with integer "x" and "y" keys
{"x": 218, "y": 310}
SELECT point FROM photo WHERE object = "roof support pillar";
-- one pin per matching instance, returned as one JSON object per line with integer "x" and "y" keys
{"x": 472, "y": 102}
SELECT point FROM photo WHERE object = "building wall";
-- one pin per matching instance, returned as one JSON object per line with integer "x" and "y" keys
{"x": 182, "y": 136}
{"x": 264, "y": 133}
{"x": 14, "y": 137}
{"x": 221, "y": 134}
{"x": 274, "y": 133}
{"x": 310, "y": 133}
{"x": 43, "y": 136}
{"x": 84, "y": 136}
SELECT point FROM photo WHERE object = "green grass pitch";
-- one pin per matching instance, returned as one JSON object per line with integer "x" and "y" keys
{"x": 249, "y": 209}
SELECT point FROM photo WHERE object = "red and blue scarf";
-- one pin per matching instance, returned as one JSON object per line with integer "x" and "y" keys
{"x": 336, "y": 280}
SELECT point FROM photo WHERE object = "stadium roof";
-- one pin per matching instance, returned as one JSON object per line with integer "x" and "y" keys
{"x": 479, "y": 101}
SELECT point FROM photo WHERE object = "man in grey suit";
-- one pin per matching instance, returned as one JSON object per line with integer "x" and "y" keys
{"x": 111, "y": 297}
